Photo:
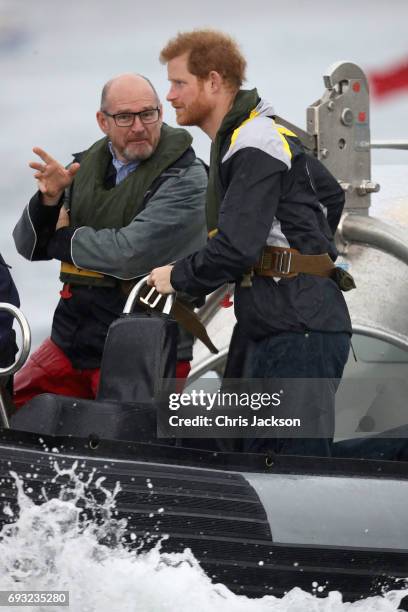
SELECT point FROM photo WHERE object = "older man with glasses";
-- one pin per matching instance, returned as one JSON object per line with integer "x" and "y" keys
{"x": 131, "y": 201}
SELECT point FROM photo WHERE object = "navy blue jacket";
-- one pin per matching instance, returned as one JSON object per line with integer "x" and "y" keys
{"x": 271, "y": 193}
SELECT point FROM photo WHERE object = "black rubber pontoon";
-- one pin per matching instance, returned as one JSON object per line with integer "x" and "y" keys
{"x": 244, "y": 520}
{"x": 259, "y": 524}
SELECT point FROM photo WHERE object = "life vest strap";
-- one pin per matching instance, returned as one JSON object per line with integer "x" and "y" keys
{"x": 81, "y": 276}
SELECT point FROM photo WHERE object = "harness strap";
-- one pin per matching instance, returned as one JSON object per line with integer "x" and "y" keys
{"x": 287, "y": 263}
{"x": 67, "y": 268}
{"x": 190, "y": 321}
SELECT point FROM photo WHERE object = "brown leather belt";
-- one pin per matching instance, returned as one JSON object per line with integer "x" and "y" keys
{"x": 287, "y": 263}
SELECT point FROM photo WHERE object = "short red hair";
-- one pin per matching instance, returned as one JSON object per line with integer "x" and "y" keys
{"x": 208, "y": 50}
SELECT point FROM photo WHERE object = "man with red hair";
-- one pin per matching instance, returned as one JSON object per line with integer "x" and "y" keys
{"x": 271, "y": 212}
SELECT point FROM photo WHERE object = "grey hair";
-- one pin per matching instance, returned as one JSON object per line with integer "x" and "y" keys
{"x": 107, "y": 86}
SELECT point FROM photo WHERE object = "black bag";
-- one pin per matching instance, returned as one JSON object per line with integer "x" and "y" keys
{"x": 140, "y": 351}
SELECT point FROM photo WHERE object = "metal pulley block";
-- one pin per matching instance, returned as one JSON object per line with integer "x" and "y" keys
{"x": 339, "y": 120}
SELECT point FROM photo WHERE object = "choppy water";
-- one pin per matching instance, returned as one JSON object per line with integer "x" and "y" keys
{"x": 48, "y": 545}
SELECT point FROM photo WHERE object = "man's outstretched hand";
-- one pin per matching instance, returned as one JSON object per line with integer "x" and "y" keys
{"x": 52, "y": 177}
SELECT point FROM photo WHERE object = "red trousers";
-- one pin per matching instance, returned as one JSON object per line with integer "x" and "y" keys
{"x": 49, "y": 370}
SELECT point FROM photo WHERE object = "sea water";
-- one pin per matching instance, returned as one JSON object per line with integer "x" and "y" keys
{"x": 59, "y": 544}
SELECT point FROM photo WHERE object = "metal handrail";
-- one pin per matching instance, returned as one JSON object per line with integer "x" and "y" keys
{"x": 390, "y": 144}
{"x": 210, "y": 363}
{"x": 151, "y": 299}
{"x": 376, "y": 233}
{"x": 26, "y": 339}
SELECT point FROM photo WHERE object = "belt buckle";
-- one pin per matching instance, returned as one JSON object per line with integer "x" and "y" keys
{"x": 283, "y": 262}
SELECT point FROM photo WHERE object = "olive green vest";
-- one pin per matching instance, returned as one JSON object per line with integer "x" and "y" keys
{"x": 95, "y": 206}
{"x": 245, "y": 101}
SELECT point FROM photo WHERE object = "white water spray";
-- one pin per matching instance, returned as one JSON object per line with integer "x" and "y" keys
{"x": 51, "y": 546}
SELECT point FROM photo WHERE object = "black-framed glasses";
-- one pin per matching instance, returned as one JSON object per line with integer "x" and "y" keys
{"x": 150, "y": 115}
